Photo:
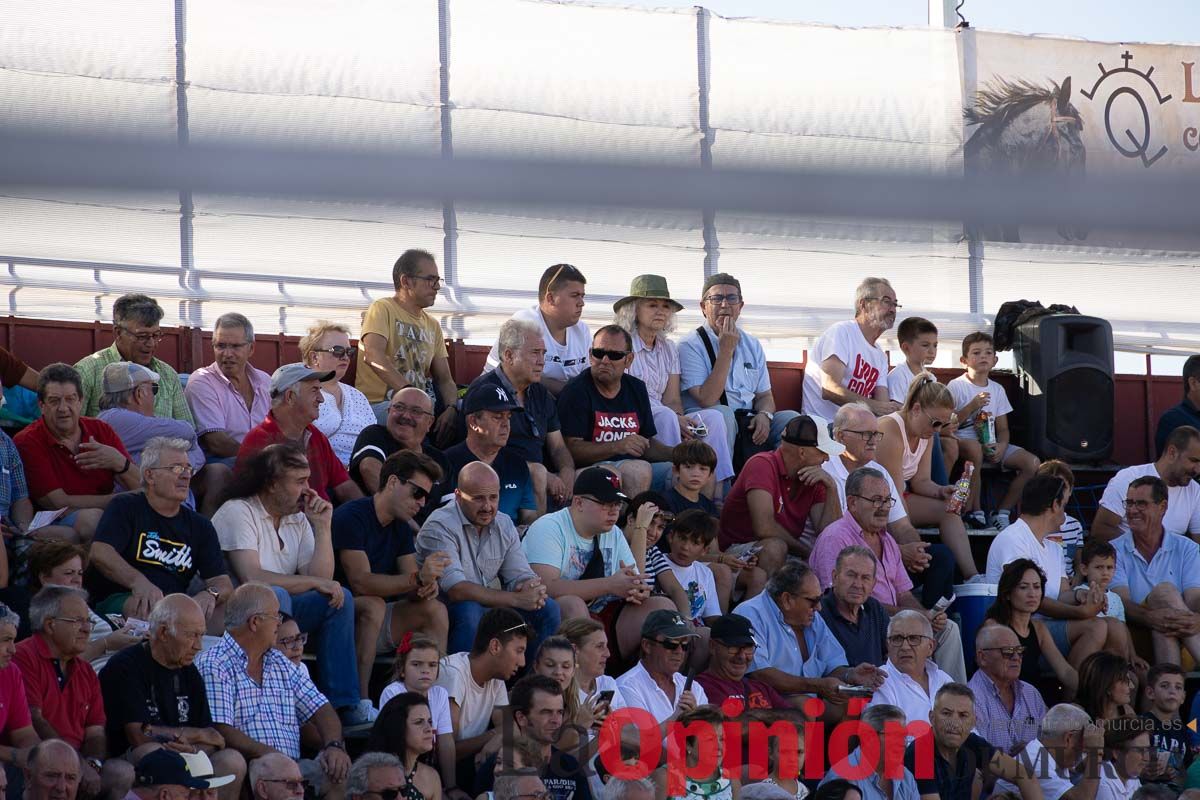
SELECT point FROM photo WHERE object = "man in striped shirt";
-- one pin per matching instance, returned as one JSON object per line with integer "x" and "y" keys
{"x": 1008, "y": 711}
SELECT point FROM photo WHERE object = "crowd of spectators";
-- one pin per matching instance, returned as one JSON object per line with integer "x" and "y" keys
{"x": 602, "y": 524}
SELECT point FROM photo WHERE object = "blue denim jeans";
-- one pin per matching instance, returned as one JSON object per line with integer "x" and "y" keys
{"x": 337, "y": 659}
{"x": 465, "y": 616}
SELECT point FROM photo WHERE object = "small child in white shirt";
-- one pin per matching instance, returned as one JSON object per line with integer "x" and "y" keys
{"x": 1097, "y": 563}
{"x": 918, "y": 338}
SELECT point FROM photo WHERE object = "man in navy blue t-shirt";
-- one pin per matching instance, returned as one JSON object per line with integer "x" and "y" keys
{"x": 373, "y": 542}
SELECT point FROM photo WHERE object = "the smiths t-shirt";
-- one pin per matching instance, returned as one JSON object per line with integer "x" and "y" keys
{"x": 586, "y": 414}
{"x": 167, "y": 550}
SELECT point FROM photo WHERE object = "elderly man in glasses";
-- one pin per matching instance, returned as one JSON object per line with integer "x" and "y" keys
{"x": 869, "y": 500}
{"x": 229, "y": 396}
{"x": 274, "y": 776}
{"x": 150, "y": 544}
{"x": 606, "y": 416}
{"x": 127, "y": 405}
{"x": 655, "y": 682}
{"x": 136, "y": 336}
{"x": 731, "y": 649}
{"x": 912, "y": 679}
{"x": 1008, "y": 710}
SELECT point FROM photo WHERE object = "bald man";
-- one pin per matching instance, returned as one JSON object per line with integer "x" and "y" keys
{"x": 482, "y": 546}
{"x": 53, "y": 771}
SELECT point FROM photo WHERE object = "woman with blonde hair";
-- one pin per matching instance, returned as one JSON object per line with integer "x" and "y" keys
{"x": 904, "y": 452}
{"x": 648, "y": 314}
{"x": 345, "y": 410}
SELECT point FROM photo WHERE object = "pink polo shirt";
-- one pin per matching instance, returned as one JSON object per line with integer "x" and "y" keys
{"x": 218, "y": 406}
{"x": 891, "y": 579}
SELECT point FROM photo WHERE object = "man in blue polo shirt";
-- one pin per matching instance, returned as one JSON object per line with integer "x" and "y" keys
{"x": 1158, "y": 574}
{"x": 489, "y": 410}
{"x": 797, "y": 653}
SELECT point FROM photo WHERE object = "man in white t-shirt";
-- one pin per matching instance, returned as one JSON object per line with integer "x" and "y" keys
{"x": 1178, "y": 466}
{"x": 1068, "y": 736}
{"x": 496, "y": 654}
{"x": 656, "y": 683}
{"x": 560, "y": 305}
{"x": 846, "y": 365}
{"x": 1072, "y": 618}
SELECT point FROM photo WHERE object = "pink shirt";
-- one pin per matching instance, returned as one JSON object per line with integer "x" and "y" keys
{"x": 218, "y": 406}
{"x": 891, "y": 579}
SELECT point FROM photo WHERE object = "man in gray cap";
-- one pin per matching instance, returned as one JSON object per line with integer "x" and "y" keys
{"x": 723, "y": 367}
{"x": 655, "y": 683}
{"x": 127, "y": 405}
{"x": 295, "y": 404}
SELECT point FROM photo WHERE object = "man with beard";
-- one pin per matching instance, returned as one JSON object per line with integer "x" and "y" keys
{"x": 846, "y": 365}
{"x": 409, "y": 418}
{"x": 731, "y": 652}
{"x": 1178, "y": 467}
{"x": 958, "y": 753}
{"x": 723, "y": 367}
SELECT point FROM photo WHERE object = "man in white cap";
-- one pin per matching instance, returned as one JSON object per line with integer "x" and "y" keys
{"x": 295, "y": 403}
{"x": 127, "y": 405}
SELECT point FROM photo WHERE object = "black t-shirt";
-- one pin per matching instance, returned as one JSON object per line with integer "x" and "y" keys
{"x": 136, "y": 688}
{"x": 169, "y": 551}
{"x": 530, "y": 423}
{"x": 949, "y": 783}
{"x": 375, "y": 442}
{"x": 680, "y": 504}
{"x": 562, "y": 777}
{"x": 355, "y": 527}
{"x": 586, "y": 414}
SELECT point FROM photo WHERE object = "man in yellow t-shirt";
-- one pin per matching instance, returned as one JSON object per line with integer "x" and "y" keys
{"x": 402, "y": 346}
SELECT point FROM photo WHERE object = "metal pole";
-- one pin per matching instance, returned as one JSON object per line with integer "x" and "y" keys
{"x": 188, "y": 279}
{"x": 712, "y": 246}
{"x": 449, "y": 217}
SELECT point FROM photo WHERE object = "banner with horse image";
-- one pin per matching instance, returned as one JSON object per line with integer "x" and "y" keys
{"x": 1040, "y": 105}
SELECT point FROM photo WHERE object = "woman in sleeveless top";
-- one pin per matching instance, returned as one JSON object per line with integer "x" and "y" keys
{"x": 1020, "y": 592}
{"x": 904, "y": 453}
{"x": 404, "y": 728}
{"x": 1107, "y": 686}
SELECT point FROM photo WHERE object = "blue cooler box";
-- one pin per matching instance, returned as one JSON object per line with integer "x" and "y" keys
{"x": 972, "y": 601}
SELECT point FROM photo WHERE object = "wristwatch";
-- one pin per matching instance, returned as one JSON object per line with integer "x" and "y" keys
{"x": 94, "y": 763}
{"x": 770, "y": 417}
{"x": 336, "y": 743}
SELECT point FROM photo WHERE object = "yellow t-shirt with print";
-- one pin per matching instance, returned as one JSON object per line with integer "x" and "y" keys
{"x": 413, "y": 341}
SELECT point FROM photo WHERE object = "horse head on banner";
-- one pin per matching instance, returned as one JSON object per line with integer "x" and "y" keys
{"x": 1024, "y": 129}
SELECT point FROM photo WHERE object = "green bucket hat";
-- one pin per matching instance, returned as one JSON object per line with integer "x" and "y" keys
{"x": 647, "y": 287}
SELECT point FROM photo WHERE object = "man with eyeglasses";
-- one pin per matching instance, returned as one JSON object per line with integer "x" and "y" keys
{"x": 482, "y": 548}
{"x": 847, "y": 365}
{"x": 376, "y": 776}
{"x": 154, "y": 693}
{"x": 723, "y": 367}
{"x": 63, "y": 692}
{"x": 274, "y": 776}
{"x": 373, "y": 541}
{"x": 127, "y": 405}
{"x": 402, "y": 345}
{"x": 655, "y": 682}
{"x": 295, "y": 403}
{"x": 229, "y": 396}
{"x": 409, "y": 418}
{"x": 1008, "y": 711}
{"x": 606, "y": 416}
{"x": 868, "y": 501}
{"x": 488, "y": 410}
{"x": 911, "y": 679}
{"x": 150, "y": 544}
{"x": 731, "y": 647}
{"x": 1158, "y": 573}
{"x": 1178, "y": 467}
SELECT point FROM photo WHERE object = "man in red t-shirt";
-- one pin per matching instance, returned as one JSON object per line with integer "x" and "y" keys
{"x": 72, "y": 461}
{"x": 731, "y": 652}
{"x": 777, "y": 492}
{"x": 295, "y": 404}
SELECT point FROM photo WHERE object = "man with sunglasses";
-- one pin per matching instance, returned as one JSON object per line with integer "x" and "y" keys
{"x": 1008, "y": 710}
{"x": 135, "y": 338}
{"x": 846, "y": 365}
{"x": 868, "y": 501}
{"x": 409, "y": 418}
{"x": 127, "y": 405}
{"x": 402, "y": 345}
{"x": 229, "y": 396}
{"x": 606, "y": 416}
{"x": 655, "y": 682}
{"x": 723, "y": 367}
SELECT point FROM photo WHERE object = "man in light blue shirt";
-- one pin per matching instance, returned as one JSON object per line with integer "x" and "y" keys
{"x": 888, "y": 781}
{"x": 734, "y": 378}
{"x": 797, "y": 654}
{"x": 1158, "y": 574}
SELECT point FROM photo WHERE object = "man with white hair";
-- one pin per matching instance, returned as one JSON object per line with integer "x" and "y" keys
{"x": 374, "y": 775}
{"x": 912, "y": 679}
{"x": 519, "y": 785}
{"x": 276, "y": 777}
{"x": 1068, "y": 738}
{"x": 846, "y": 365}
{"x": 154, "y": 693}
{"x": 641, "y": 789}
{"x": 150, "y": 544}
{"x": 534, "y": 429}
{"x": 1008, "y": 710}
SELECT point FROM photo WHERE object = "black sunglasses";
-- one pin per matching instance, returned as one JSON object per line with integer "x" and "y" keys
{"x": 418, "y": 492}
{"x": 599, "y": 353}
{"x": 668, "y": 645}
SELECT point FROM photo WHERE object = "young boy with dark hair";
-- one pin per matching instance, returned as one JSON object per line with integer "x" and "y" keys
{"x": 975, "y": 394}
{"x": 692, "y": 465}
{"x": 1097, "y": 564}
{"x": 690, "y": 536}
{"x": 1164, "y": 697}
{"x": 918, "y": 338}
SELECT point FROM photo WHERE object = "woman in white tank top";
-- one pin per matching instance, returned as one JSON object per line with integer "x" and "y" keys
{"x": 904, "y": 453}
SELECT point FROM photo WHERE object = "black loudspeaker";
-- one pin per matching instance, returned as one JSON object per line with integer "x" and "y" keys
{"x": 1065, "y": 371}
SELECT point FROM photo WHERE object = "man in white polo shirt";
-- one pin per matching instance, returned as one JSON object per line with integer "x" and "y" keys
{"x": 912, "y": 679}
{"x": 655, "y": 683}
{"x": 1078, "y": 631}
{"x": 1178, "y": 466}
{"x": 1068, "y": 737}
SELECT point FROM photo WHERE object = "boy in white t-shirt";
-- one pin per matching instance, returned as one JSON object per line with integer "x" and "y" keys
{"x": 690, "y": 535}
{"x": 918, "y": 338}
{"x": 974, "y": 393}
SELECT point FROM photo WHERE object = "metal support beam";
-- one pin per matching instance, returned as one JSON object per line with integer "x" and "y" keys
{"x": 712, "y": 246}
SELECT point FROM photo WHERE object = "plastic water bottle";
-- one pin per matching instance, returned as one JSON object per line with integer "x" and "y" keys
{"x": 962, "y": 490}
